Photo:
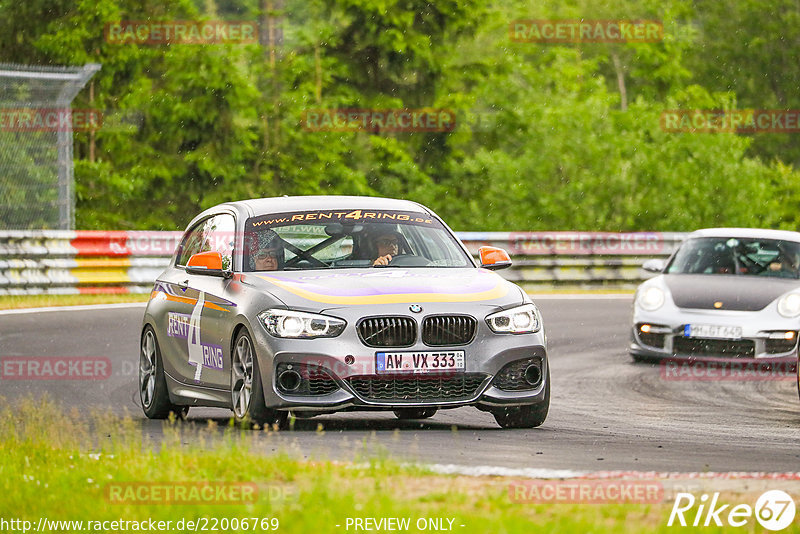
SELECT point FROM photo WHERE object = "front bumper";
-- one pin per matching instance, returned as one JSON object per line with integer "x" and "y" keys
{"x": 763, "y": 336}
{"x": 340, "y": 374}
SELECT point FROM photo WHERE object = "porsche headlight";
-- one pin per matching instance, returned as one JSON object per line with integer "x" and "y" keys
{"x": 520, "y": 320}
{"x": 789, "y": 305}
{"x": 650, "y": 299}
{"x": 294, "y": 324}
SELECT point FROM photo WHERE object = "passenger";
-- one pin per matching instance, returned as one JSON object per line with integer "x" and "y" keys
{"x": 266, "y": 251}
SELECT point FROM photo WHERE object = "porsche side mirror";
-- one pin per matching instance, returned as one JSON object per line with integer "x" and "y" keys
{"x": 653, "y": 266}
{"x": 494, "y": 258}
{"x": 207, "y": 263}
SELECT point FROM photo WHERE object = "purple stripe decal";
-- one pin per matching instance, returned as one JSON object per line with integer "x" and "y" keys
{"x": 397, "y": 286}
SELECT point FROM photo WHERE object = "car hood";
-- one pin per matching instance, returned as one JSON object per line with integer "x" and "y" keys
{"x": 745, "y": 293}
{"x": 322, "y": 290}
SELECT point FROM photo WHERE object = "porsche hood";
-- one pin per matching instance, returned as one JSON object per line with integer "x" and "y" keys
{"x": 741, "y": 293}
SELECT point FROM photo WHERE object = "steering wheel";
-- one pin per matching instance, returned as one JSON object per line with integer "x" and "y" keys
{"x": 409, "y": 260}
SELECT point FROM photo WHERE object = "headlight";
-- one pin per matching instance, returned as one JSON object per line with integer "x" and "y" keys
{"x": 651, "y": 298}
{"x": 520, "y": 320}
{"x": 294, "y": 324}
{"x": 789, "y": 305}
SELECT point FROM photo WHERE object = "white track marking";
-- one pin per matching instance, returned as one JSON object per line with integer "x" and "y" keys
{"x": 86, "y": 307}
{"x": 497, "y": 471}
{"x": 529, "y": 472}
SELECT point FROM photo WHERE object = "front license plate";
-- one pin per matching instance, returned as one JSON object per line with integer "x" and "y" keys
{"x": 712, "y": 331}
{"x": 419, "y": 362}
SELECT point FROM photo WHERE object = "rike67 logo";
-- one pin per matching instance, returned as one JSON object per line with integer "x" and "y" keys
{"x": 774, "y": 510}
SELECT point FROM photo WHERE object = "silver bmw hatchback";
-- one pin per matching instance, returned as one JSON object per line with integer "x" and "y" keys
{"x": 322, "y": 304}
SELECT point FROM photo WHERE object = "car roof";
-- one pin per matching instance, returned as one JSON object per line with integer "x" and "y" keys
{"x": 757, "y": 233}
{"x": 259, "y": 206}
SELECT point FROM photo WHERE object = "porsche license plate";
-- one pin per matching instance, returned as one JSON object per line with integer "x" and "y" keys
{"x": 419, "y": 362}
{"x": 712, "y": 331}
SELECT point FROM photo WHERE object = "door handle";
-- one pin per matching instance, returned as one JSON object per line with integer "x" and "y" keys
{"x": 184, "y": 285}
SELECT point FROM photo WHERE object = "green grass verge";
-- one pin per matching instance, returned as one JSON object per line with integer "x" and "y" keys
{"x": 63, "y": 466}
{"x": 10, "y": 302}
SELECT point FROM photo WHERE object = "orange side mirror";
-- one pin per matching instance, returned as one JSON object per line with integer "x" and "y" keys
{"x": 210, "y": 260}
{"x": 494, "y": 258}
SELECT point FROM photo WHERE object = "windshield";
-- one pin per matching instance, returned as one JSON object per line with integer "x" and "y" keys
{"x": 326, "y": 239}
{"x": 737, "y": 256}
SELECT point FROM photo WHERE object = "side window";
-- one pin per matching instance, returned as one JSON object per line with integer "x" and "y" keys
{"x": 213, "y": 234}
{"x": 192, "y": 243}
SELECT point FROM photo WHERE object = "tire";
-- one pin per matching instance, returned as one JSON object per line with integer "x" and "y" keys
{"x": 525, "y": 416}
{"x": 415, "y": 413}
{"x": 153, "y": 392}
{"x": 247, "y": 393}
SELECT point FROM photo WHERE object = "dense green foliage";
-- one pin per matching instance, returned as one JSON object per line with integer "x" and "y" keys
{"x": 549, "y": 136}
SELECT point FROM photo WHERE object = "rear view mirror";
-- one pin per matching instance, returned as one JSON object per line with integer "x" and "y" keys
{"x": 208, "y": 263}
{"x": 339, "y": 229}
{"x": 653, "y": 266}
{"x": 494, "y": 258}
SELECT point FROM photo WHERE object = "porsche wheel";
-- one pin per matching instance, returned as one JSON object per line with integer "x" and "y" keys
{"x": 247, "y": 393}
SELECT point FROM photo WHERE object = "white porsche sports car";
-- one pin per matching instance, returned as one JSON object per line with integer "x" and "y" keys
{"x": 725, "y": 292}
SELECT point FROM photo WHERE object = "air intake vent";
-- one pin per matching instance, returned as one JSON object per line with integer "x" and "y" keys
{"x": 693, "y": 346}
{"x": 418, "y": 388}
{"x": 520, "y": 375}
{"x": 388, "y": 331}
{"x": 448, "y": 330}
{"x": 313, "y": 380}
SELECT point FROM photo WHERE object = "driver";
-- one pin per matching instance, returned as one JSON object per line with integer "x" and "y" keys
{"x": 387, "y": 243}
{"x": 785, "y": 265}
{"x": 266, "y": 251}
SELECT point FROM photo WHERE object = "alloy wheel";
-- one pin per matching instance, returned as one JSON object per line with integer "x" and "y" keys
{"x": 242, "y": 383}
{"x": 147, "y": 369}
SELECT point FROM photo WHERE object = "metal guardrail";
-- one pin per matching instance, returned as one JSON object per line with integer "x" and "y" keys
{"x": 577, "y": 260}
{"x": 63, "y": 262}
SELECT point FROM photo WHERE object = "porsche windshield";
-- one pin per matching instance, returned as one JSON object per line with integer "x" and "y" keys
{"x": 737, "y": 256}
{"x": 328, "y": 239}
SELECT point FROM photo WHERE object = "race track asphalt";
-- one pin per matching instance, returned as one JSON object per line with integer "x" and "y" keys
{"x": 607, "y": 413}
